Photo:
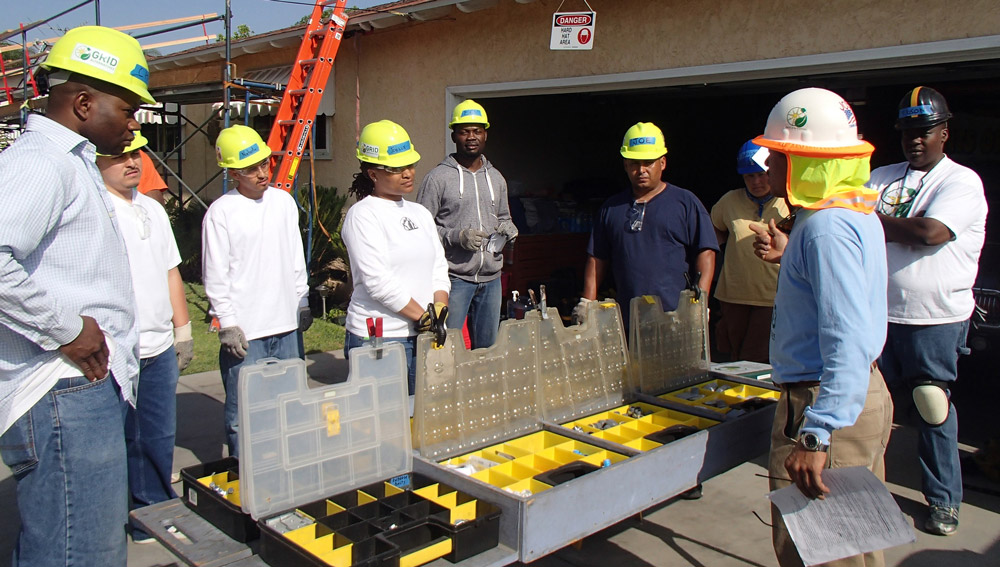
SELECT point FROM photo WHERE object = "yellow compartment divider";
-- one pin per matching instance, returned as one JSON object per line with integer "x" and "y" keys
{"x": 491, "y": 476}
{"x": 538, "y": 462}
{"x": 538, "y": 441}
{"x": 392, "y": 489}
{"x": 527, "y": 484}
{"x": 618, "y": 436}
{"x": 365, "y": 498}
{"x": 599, "y": 457}
{"x": 339, "y": 557}
{"x": 559, "y": 456}
{"x": 426, "y": 554}
{"x": 429, "y": 492}
{"x": 466, "y": 511}
{"x": 641, "y": 444}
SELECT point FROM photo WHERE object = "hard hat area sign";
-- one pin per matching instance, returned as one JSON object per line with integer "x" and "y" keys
{"x": 572, "y": 30}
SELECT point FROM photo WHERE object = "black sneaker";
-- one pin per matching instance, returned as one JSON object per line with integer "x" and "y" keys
{"x": 942, "y": 521}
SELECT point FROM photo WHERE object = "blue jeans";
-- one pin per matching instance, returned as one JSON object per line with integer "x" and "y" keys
{"x": 284, "y": 346}
{"x": 67, "y": 454}
{"x": 352, "y": 341}
{"x": 481, "y": 303}
{"x": 149, "y": 432}
{"x": 929, "y": 352}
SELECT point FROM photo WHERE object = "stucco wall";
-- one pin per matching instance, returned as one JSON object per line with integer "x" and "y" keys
{"x": 403, "y": 71}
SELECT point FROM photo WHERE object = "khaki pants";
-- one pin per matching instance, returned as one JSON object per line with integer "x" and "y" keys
{"x": 862, "y": 444}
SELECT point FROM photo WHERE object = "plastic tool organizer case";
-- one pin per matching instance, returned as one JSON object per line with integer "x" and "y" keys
{"x": 563, "y": 428}
{"x": 326, "y": 471}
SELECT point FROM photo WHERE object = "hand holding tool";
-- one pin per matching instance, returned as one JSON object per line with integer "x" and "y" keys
{"x": 183, "y": 345}
{"x": 471, "y": 239}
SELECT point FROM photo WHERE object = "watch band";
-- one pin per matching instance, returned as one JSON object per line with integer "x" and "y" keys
{"x": 811, "y": 442}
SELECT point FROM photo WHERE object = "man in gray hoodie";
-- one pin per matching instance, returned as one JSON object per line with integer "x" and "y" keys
{"x": 468, "y": 198}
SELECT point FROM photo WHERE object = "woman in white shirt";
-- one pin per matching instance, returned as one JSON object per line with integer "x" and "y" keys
{"x": 397, "y": 260}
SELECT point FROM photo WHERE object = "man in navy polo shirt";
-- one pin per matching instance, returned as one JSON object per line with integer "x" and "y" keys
{"x": 651, "y": 235}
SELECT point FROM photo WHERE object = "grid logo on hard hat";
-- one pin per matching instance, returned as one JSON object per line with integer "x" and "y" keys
{"x": 471, "y": 112}
{"x": 796, "y": 117}
{"x": 249, "y": 151}
{"x": 369, "y": 150}
{"x": 141, "y": 73}
{"x": 398, "y": 148}
{"x": 642, "y": 141}
{"x": 94, "y": 57}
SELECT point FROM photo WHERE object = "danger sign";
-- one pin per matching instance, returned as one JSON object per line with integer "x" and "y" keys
{"x": 572, "y": 30}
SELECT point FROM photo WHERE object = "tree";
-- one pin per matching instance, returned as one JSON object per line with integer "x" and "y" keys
{"x": 305, "y": 19}
{"x": 242, "y": 31}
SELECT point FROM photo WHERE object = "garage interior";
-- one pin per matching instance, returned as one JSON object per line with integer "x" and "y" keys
{"x": 559, "y": 152}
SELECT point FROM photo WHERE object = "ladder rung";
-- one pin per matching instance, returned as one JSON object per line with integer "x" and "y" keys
{"x": 299, "y": 92}
{"x": 287, "y": 122}
{"x": 309, "y": 62}
{"x": 317, "y": 33}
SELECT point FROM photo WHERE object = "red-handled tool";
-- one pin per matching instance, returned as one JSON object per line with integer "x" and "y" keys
{"x": 375, "y": 334}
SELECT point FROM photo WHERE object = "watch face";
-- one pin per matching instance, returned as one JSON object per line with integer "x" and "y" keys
{"x": 810, "y": 441}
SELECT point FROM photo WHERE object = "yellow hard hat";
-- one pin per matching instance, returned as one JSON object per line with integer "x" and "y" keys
{"x": 386, "y": 143}
{"x": 643, "y": 141}
{"x": 240, "y": 146}
{"x": 469, "y": 112}
{"x": 138, "y": 142}
{"x": 105, "y": 54}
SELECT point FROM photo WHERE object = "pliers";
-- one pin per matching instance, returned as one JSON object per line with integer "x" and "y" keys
{"x": 438, "y": 325}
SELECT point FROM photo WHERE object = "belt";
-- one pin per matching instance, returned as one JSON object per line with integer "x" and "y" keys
{"x": 799, "y": 385}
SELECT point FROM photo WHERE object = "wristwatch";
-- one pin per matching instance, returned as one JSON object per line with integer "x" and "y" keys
{"x": 810, "y": 442}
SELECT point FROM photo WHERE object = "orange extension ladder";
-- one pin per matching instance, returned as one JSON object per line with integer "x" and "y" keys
{"x": 297, "y": 111}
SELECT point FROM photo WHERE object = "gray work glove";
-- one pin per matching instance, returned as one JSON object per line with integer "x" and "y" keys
{"x": 305, "y": 318}
{"x": 580, "y": 311}
{"x": 183, "y": 345}
{"x": 508, "y": 229}
{"x": 234, "y": 342}
{"x": 471, "y": 239}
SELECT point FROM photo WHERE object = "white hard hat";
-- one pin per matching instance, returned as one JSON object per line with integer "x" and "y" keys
{"x": 814, "y": 122}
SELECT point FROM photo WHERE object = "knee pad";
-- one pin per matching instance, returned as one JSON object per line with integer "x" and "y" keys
{"x": 932, "y": 402}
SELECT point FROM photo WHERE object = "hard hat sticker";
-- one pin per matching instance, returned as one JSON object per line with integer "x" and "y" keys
{"x": 398, "y": 148}
{"x": 249, "y": 151}
{"x": 94, "y": 57}
{"x": 796, "y": 117}
{"x": 141, "y": 73}
{"x": 471, "y": 112}
{"x": 848, "y": 113}
{"x": 369, "y": 150}
{"x": 920, "y": 110}
{"x": 642, "y": 141}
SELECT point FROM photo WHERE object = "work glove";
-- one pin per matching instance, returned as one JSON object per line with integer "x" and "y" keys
{"x": 234, "y": 342}
{"x": 435, "y": 320}
{"x": 305, "y": 318}
{"x": 580, "y": 311}
{"x": 507, "y": 229}
{"x": 183, "y": 345}
{"x": 471, "y": 239}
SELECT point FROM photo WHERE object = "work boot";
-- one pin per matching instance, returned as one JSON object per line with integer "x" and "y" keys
{"x": 942, "y": 521}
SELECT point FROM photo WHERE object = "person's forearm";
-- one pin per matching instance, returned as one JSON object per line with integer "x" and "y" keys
{"x": 178, "y": 301}
{"x": 917, "y": 231}
{"x": 593, "y": 273}
{"x": 441, "y": 296}
{"x": 412, "y": 310}
{"x": 705, "y": 265}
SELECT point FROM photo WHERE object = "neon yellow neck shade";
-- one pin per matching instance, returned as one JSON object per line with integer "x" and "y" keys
{"x": 823, "y": 183}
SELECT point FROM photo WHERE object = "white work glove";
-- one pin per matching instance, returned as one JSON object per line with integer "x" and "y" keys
{"x": 183, "y": 345}
{"x": 305, "y": 318}
{"x": 580, "y": 311}
{"x": 508, "y": 229}
{"x": 234, "y": 342}
{"x": 471, "y": 239}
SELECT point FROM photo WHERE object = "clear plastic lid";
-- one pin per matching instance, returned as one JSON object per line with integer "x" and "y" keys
{"x": 298, "y": 445}
{"x": 668, "y": 348}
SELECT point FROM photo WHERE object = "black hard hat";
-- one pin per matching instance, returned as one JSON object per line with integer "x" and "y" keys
{"x": 922, "y": 107}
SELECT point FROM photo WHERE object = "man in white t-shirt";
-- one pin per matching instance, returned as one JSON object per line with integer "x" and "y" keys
{"x": 253, "y": 266}
{"x": 165, "y": 343}
{"x": 933, "y": 211}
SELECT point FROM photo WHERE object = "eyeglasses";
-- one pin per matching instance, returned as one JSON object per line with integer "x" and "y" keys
{"x": 897, "y": 198}
{"x": 396, "y": 170}
{"x": 143, "y": 217}
{"x": 636, "y": 213}
{"x": 263, "y": 166}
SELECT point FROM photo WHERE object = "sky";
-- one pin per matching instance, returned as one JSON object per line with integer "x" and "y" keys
{"x": 260, "y": 15}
